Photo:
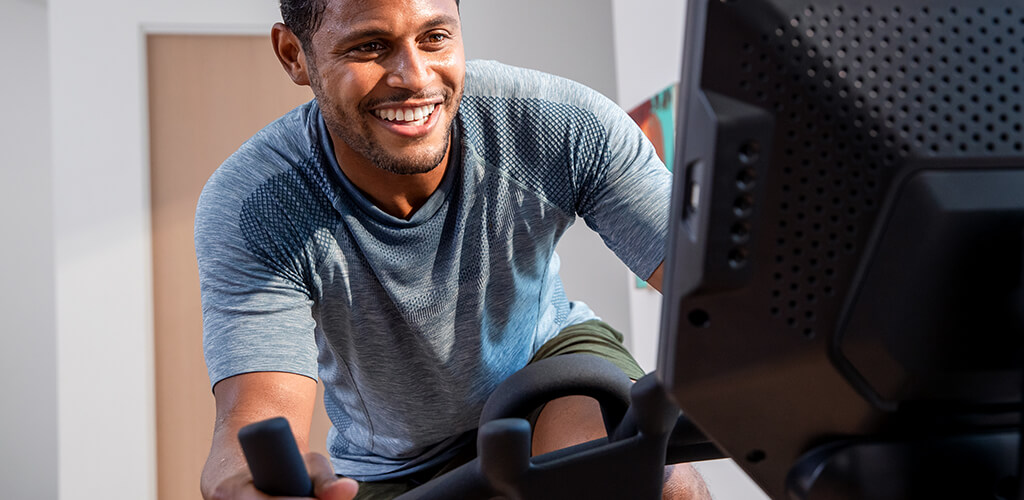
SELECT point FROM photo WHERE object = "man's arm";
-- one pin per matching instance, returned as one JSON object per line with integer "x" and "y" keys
{"x": 251, "y": 397}
{"x": 657, "y": 277}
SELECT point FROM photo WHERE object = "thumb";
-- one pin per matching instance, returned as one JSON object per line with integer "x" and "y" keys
{"x": 340, "y": 489}
{"x": 326, "y": 485}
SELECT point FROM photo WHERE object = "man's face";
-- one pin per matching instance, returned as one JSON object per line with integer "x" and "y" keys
{"x": 388, "y": 75}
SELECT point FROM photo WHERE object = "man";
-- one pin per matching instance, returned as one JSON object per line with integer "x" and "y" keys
{"x": 395, "y": 238}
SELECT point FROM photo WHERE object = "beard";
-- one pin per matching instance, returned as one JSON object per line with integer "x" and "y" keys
{"x": 368, "y": 147}
{"x": 354, "y": 129}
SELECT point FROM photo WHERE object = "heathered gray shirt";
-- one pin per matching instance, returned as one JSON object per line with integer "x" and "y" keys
{"x": 412, "y": 323}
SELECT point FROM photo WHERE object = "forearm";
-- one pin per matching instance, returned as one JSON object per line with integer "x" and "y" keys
{"x": 657, "y": 278}
{"x": 245, "y": 399}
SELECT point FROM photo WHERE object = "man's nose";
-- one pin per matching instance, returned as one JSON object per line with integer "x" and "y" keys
{"x": 411, "y": 70}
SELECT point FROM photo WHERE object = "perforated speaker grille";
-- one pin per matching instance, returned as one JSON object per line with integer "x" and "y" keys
{"x": 859, "y": 91}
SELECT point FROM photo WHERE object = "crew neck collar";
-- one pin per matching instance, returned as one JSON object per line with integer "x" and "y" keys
{"x": 423, "y": 213}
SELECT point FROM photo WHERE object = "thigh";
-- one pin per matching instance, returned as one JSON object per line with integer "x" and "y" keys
{"x": 577, "y": 419}
{"x": 567, "y": 421}
{"x": 594, "y": 337}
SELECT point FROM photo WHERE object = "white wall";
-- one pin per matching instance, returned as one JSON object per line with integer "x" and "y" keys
{"x": 570, "y": 38}
{"x": 28, "y": 368}
{"x": 102, "y": 251}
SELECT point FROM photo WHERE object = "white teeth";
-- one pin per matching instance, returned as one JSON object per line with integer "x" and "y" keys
{"x": 417, "y": 115}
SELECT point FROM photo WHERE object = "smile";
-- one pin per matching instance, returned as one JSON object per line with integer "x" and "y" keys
{"x": 406, "y": 116}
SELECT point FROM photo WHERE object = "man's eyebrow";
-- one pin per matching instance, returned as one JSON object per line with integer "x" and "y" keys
{"x": 442, "y": 20}
{"x": 360, "y": 34}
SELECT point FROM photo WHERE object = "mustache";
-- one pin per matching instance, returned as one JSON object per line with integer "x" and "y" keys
{"x": 401, "y": 97}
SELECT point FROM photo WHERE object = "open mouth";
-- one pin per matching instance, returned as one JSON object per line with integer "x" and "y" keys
{"x": 406, "y": 116}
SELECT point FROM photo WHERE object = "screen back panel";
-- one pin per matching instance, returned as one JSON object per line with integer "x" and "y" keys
{"x": 813, "y": 137}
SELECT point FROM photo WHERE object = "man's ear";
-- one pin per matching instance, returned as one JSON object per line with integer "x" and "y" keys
{"x": 289, "y": 52}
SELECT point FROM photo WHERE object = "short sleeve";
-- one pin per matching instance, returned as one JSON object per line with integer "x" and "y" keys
{"x": 625, "y": 195}
{"x": 257, "y": 307}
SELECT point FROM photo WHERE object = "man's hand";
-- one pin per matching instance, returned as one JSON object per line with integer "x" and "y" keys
{"x": 252, "y": 397}
{"x": 326, "y": 485}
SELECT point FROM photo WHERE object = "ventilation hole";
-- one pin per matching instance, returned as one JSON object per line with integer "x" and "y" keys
{"x": 860, "y": 90}
{"x": 740, "y": 232}
{"x": 743, "y": 206}
{"x": 756, "y": 456}
{"x": 746, "y": 178}
{"x": 699, "y": 318}
{"x": 738, "y": 258}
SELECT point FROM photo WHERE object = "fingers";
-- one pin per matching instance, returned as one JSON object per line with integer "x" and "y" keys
{"x": 341, "y": 489}
{"x": 238, "y": 487}
{"x": 326, "y": 485}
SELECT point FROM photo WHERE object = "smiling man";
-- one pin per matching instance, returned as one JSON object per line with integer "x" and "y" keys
{"x": 395, "y": 238}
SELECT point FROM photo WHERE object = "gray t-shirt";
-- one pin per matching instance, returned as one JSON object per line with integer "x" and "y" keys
{"x": 410, "y": 324}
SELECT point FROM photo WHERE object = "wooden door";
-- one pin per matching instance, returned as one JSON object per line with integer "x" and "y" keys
{"x": 207, "y": 95}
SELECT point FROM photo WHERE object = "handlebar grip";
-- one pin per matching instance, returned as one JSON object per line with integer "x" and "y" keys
{"x": 274, "y": 459}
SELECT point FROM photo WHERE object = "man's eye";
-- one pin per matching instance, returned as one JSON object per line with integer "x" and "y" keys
{"x": 436, "y": 38}
{"x": 370, "y": 47}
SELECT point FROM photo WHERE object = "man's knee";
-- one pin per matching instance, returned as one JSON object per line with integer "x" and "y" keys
{"x": 577, "y": 419}
{"x": 566, "y": 422}
{"x": 682, "y": 481}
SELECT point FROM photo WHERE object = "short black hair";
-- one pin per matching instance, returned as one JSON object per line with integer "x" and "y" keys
{"x": 303, "y": 17}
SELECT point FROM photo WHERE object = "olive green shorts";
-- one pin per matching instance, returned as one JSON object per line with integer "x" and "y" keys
{"x": 590, "y": 337}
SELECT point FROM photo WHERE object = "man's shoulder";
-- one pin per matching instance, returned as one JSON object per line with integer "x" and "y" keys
{"x": 283, "y": 145}
{"x": 277, "y": 166}
{"x": 498, "y": 80}
{"x": 535, "y": 128}
{"x": 537, "y": 97}
{"x": 486, "y": 76}
{"x": 290, "y": 138}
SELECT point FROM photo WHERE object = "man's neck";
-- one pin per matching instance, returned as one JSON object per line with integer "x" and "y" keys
{"x": 396, "y": 194}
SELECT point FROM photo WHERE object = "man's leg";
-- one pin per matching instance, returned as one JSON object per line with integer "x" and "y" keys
{"x": 577, "y": 419}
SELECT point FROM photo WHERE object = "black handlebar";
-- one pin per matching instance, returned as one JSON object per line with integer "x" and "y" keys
{"x": 274, "y": 459}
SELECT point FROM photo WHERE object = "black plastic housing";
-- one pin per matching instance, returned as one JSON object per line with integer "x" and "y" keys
{"x": 865, "y": 162}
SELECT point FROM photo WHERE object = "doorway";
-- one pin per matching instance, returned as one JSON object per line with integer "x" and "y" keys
{"x": 207, "y": 95}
